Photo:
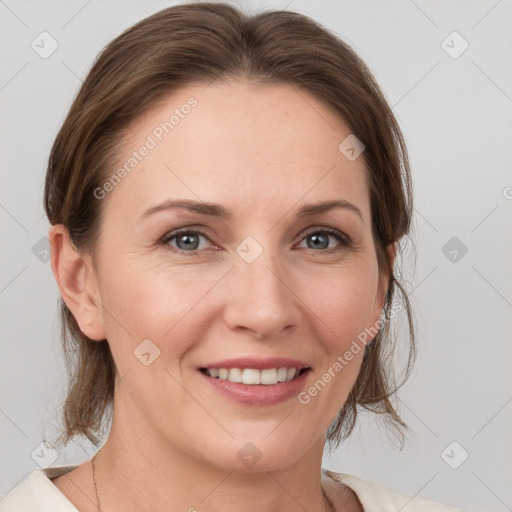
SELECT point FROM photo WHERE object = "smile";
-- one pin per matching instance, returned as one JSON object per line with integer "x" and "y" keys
{"x": 252, "y": 376}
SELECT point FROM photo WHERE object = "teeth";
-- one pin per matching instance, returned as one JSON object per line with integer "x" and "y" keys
{"x": 269, "y": 376}
{"x": 251, "y": 376}
{"x": 235, "y": 375}
{"x": 282, "y": 374}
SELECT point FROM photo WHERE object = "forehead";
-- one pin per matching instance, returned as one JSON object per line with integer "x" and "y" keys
{"x": 275, "y": 143}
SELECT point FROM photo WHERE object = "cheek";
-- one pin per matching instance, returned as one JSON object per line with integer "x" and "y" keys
{"x": 343, "y": 303}
{"x": 145, "y": 303}
{"x": 150, "y": 302}
{"x": 172, "y": 305}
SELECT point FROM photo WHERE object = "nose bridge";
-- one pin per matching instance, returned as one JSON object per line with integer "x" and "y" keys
{"x": 260, "y": 269}
{"x": 262, "y": 299}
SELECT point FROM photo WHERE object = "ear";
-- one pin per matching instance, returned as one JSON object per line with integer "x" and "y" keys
{"x": 384, "y": 280}
{"x": 77, "y": 282}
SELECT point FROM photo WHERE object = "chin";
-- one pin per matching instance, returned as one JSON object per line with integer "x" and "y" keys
{"x": 257, "y": 453}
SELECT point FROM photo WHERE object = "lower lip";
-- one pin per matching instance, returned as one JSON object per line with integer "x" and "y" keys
{"x": 258, "y": 394}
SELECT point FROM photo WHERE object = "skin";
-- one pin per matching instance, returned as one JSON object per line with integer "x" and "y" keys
{"x": 262, "y": 151}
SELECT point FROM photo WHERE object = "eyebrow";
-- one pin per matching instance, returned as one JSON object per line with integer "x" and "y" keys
{"x": 217, "y": 210}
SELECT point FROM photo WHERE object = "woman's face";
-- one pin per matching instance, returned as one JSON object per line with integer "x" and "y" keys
{"x": 261, "y": 286}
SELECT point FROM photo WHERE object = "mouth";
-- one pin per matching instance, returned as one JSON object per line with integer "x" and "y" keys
{"x": 254, "y": 376}
{"x": 256, "y": 381}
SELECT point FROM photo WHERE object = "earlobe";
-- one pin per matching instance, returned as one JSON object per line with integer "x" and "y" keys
{"x": 77, "y": 283}
{"x": 384, "y": 280}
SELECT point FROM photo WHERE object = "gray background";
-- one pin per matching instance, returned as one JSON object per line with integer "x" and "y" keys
{"x": 456, "y": 115}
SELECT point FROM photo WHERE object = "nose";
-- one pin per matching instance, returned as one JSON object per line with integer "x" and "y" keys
{"x": 262, "y": 301}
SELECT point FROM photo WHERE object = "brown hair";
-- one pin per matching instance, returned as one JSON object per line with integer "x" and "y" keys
{"x": 203, "y": 42}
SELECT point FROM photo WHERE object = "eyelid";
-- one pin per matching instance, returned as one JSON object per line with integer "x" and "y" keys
{"x": 177, "y": 232}
{"x": 326, "y": 229}
{"x": 199, "y": 230}
{"x": 343, "y": 238}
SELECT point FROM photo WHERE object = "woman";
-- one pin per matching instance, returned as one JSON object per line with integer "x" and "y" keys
{"x": 227, "y": 196}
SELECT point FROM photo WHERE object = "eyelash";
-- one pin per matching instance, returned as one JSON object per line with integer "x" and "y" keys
{"x": 345, "y": 240}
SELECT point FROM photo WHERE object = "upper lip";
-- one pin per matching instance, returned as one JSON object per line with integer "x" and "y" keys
{"x": 258, "y": 363}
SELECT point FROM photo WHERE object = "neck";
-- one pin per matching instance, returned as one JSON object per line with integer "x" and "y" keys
{"x": 143, "y": 472}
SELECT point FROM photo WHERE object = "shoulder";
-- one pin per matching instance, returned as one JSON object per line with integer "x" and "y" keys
{"x": 37, "y": 493}
{"x": 375, "y": 497}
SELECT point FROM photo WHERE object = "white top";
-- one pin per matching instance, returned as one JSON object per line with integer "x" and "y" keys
{"x": 37, "y": 493}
